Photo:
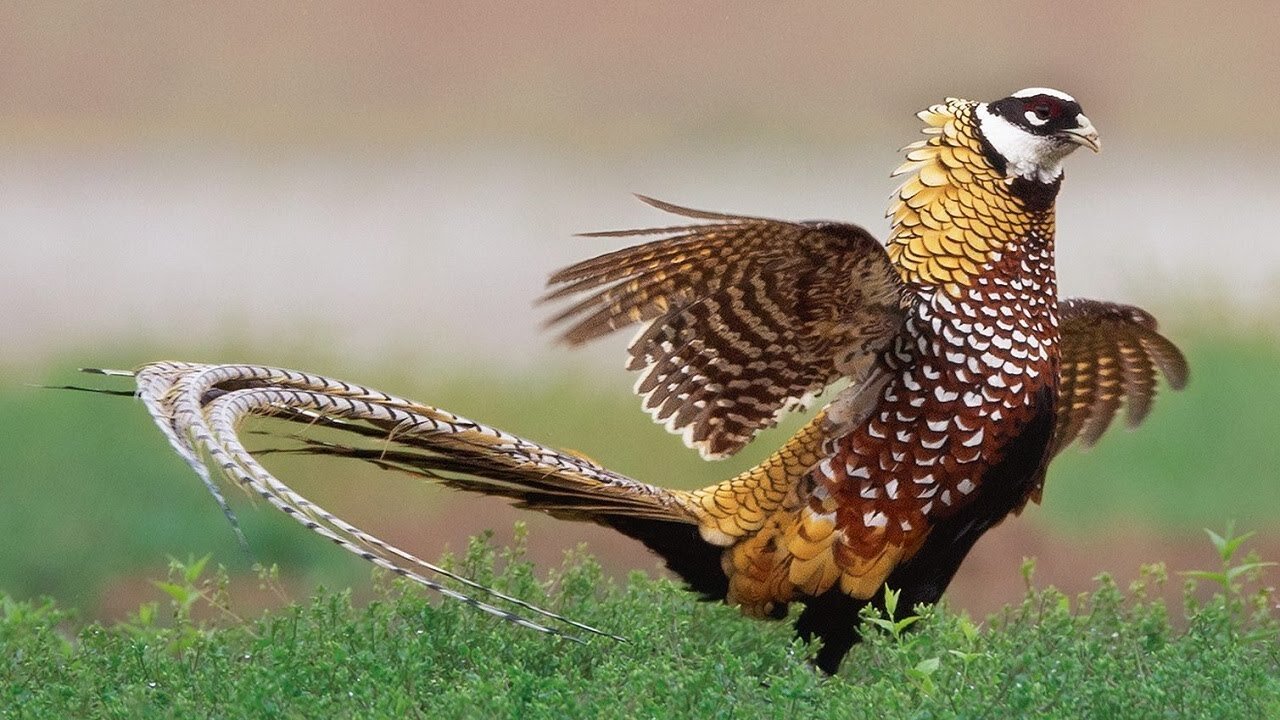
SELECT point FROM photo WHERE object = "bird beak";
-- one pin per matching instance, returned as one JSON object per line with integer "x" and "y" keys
{"x": 1083, "y": 134}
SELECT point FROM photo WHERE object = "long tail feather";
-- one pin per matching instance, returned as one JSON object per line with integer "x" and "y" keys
{"x": 199, "y": 408}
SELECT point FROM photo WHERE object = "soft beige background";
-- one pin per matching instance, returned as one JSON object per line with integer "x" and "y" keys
{"x": 369, "y": 176}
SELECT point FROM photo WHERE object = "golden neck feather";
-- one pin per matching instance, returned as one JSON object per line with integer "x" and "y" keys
{"x": 955, "y": 212}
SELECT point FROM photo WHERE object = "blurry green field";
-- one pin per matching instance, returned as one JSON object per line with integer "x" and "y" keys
{"x": 89, "y": 490}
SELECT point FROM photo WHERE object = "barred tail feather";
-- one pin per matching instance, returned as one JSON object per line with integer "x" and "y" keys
{"x": 199, "y": 407}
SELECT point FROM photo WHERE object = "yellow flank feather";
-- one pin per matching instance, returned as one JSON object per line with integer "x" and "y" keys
{"x": 775, "y": 546}
{"x": 740, "y": 505}
{"x": 778, "y": 547}
{"x": 954, "y": 212}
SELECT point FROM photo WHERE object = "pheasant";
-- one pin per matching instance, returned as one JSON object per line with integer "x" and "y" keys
{"x": 965, "y": 376}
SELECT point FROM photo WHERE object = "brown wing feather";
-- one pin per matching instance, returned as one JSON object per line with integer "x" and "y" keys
{"x": 1110, "y": 356}
{"x": 747, "y": 316}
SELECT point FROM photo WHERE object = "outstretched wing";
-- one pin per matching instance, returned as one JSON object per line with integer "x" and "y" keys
{"x": 747, "y": 317}
{"x": 1110, "y": 356}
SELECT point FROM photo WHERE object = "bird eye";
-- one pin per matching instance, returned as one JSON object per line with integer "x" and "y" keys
{"x": 1043, "y": 108}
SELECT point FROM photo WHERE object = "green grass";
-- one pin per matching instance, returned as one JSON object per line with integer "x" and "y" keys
{"x": 1105, "y": 654}
{"x": 90, "y": 491}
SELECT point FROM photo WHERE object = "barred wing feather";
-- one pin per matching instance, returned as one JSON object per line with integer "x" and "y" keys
{"x": 744, "y": 317}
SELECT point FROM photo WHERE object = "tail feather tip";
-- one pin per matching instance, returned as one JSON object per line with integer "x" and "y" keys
{"x": 107, "y": 371}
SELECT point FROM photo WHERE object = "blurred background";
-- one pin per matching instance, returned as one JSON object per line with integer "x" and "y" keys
{"x": 377, "y": 190}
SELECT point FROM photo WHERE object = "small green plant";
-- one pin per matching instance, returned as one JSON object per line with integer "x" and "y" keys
{"x": 893, "y": 624}
{"x": 918, "y": 671}
{"x": 1250, "y": 611}
{"x": 187, "y": 588}
{"x": 1227, "y": 545}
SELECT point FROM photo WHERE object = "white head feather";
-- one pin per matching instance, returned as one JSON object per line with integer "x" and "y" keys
{"x": 1030, "y": 156}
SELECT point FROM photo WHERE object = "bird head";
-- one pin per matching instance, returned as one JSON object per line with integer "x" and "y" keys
{"x": 1032, "y": 130}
